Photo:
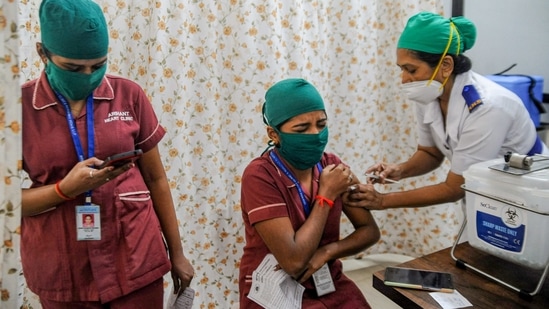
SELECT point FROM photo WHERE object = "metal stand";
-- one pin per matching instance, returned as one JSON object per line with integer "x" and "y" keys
{"x": 462, "y": 264}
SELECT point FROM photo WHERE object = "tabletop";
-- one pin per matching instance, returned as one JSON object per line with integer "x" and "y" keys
{"x": 479, "y": 290}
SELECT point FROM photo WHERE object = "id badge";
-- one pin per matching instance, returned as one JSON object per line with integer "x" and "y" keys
{"x": 88, "y": 222}
{"x": 323, "y": 281}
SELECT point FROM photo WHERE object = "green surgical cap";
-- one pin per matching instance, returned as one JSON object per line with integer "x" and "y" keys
{"x": 289, "y": 98}
{"x": 429, "y": 32}
{"x": 74, "y": 29}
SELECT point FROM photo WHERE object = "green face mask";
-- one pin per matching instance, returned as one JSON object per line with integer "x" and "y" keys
{"x": 74, "y": 85}
{"x": 303, "y": 151}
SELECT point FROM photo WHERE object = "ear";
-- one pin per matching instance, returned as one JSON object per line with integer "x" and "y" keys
{"x": 447, "y": 66}
{"x": 41, "y": 52}
{"x": 273, "y": 135}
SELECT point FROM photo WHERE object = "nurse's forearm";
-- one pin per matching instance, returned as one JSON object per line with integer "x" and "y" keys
{"x": 422, "y": 162}
{"x": 425, "y": 196}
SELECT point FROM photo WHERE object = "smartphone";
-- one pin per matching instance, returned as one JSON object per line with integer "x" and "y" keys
{"x": 419, "y": 279}
{"x": 120, "y": 159}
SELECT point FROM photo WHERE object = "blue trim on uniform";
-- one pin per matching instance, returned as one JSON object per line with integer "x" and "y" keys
{"x": 471, "y": 96}
{"x": 537, "y": 148}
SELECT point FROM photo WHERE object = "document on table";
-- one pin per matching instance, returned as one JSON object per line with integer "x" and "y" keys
{"x": 274, "y": 289}
{"x": 451, "y": 300}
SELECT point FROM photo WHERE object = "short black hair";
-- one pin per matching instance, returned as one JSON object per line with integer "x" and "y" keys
{"x": 462, "y": 63}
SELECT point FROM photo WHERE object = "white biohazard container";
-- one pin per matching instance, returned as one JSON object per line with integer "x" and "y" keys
{"x": 508, "y": 215}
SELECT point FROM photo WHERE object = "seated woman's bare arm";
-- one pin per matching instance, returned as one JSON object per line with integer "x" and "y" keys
{"x": 293, "y": 249}
{"x": 365, "y": 235}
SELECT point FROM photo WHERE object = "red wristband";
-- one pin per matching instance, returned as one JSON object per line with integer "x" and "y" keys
{"x": 61, "y": 194}
{"x": 321, "y": 199}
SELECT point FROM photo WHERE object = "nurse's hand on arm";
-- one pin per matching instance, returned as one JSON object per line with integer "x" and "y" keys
{"x": 424, "y": 160}
{"x": 80, "y": 179}
{"x": 366, "y": 195}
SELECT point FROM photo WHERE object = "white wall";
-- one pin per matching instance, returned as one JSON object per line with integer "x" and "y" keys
{"x": 508, "y": 32}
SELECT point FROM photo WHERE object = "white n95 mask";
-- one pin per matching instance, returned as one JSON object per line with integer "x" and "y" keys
{"x": 423, "y": 92}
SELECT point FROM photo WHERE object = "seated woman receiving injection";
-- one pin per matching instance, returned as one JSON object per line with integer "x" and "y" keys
{"x": 292, "y": 205}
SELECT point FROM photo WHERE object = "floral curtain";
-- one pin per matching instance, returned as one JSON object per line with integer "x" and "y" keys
{"x": 10, "y": 155}
{"x": 206, "y": 65}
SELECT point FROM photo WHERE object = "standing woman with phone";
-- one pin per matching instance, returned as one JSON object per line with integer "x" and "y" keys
{"x": 74, "y": 114}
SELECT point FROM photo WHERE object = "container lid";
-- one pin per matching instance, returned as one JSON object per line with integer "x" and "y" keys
{"x": 534, "y": 180}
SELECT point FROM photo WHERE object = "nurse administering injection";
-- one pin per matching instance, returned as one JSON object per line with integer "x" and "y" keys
{"x": 456, "y": 110}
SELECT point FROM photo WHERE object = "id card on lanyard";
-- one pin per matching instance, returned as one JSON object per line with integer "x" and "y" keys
{"x": 88, "y": 222}
{"x": 84, "y": 230}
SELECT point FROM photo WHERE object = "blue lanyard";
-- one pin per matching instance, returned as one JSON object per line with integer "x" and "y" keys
{"x": 74, "y": 131}
{"x": 289, "y": 174}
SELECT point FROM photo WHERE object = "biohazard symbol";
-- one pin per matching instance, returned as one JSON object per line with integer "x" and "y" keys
{"x": 511, "y": 215}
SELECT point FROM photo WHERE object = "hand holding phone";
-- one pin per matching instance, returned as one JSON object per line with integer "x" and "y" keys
{"x": 121, "y": 159}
